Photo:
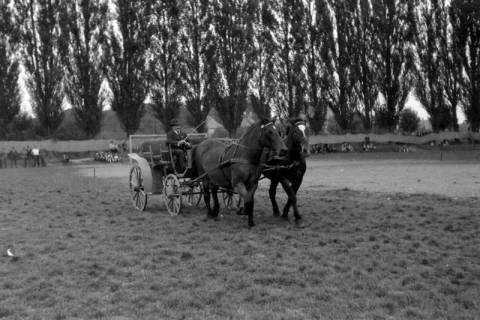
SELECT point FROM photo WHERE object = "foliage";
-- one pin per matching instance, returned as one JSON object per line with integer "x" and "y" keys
{"x": 166, "y": 63}
{"x": 316, "y": 117}
{"x": 452, "y": 65}
{"x": 126, "y": 67}
{"x": 233, "y": 50}
{"x": 392, "y": 24}
{"x": 385, "y": 119}
{"x": 366, "y": 59}
{"x": 285, "y": 57}
{"x": 41, "y": 45}
{"x": 264, "y": 74}
{"x": 259, "y": 108}
{"x": 194, "y": 46}
{"x": 82, "y": 22}
{"x": 9, "y": 70}
{"x": 9, "y": 92}
{"x": 165, "y": 112}
{"x": 71, "y": 132}
{"x": 23, "y": 127}
{"x": 291, "y": 58}
{"x": 339, "y": 81}
{"x": 409, "y": 121}
{"x": 429, "y": 86}
{"x": 465, "y": 19}
{"x": 316, "y": 109}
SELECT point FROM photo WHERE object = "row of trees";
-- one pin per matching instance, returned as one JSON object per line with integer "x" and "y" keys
{"x": 357, "y": 58}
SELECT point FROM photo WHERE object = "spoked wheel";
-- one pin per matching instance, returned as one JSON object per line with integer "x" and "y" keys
{"x": 193, "y": 194}
{"x": 231, "y": 200}
{"x": 172, "y": 194}
{"x": 137, "y": 190}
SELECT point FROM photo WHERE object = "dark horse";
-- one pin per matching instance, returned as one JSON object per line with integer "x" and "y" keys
{"x": 235, "y": 167}
{"x": 292, "y": 170}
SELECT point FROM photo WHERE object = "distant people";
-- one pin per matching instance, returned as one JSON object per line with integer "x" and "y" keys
{"x": 368, "y": 145}
{"x": 28, "y": 156}
{"x": 36, "y": 157}
{"x": 123, "y": 147}
{"x": 329, "y": 148}
{"x": 65, "y": 159}
{"x": 178, "y": 141}
{"x": 3, "y": 158}
{"x": 13, "y": 156}
{"x": 346, "y": 147}
{"x": 113, "y": 147}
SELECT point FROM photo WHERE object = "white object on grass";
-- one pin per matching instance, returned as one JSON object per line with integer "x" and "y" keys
{"x": 10, "y": 253}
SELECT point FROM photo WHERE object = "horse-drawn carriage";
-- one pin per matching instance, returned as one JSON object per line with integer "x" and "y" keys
{"x": 155, "y": 171}
{"x": 231, "y": 165}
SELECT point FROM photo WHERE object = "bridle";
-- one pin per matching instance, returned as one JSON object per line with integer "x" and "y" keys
{"x": 240, "y": 145}
{"x": 262, "y": 127}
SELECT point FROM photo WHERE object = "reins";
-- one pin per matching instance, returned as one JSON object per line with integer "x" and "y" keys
{"x": 223, "y": 162}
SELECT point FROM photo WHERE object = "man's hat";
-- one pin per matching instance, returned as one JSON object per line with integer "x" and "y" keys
{"x": 296, "y": 120}
{"x": 174, "y": 123}
{"x": 266, "y": 120}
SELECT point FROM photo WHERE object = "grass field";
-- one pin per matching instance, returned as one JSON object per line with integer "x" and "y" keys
{"x": 82, "y": 251}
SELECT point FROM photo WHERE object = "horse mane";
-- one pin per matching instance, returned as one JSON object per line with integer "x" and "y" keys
{"x": 250, "y": 135}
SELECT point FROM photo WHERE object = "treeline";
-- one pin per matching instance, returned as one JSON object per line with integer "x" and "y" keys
{"x": 360, "y": 59}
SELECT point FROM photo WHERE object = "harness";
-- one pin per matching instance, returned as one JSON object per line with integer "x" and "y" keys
{"x": 267, "y": 167}
{"x": 222, "y": 162}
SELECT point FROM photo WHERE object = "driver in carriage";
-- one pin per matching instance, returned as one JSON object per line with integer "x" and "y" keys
{"x": 177, "y": 140}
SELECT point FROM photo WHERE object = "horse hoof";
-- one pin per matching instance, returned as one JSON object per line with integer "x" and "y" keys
{"x": 251, "y": 224}
{"x": 240, "y": 212}
{"x": 284, "y": 217}
{"x": 276, "y": 214}
{"x": 299, "y": 223}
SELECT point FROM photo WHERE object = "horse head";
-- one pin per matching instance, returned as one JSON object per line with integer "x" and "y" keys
{"x": 270, "y": 138}
{"x": 297, "y": 138}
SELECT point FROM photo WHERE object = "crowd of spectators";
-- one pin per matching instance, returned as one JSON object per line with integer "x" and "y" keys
{"x": 28, "y": 157}
{"x": 114, "y": 153}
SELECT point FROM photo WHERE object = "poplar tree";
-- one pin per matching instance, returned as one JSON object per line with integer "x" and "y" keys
{"x": 40, "y": 43}
{"x": 9, "y": 70}
{"x": 126, "y": 67}
{"x": 83, "y": 26}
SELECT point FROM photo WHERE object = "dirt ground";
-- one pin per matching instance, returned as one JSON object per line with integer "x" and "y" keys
{"x": 413, "y": 174}
{"x": 386, "y": 238}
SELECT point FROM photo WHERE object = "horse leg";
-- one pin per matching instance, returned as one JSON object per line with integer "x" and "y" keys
{"x": 206, "y": 197}
{"x": 216, "y": 205}
{"x": 247, "y": 196}
{"x": 241, "y": 206}
{"x": 292, "y": 199}
{"x": 295, "y": 187}
{"x": 272, "y": 193}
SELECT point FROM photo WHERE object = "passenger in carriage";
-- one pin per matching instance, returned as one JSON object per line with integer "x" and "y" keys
{"x": 178, "y": 141}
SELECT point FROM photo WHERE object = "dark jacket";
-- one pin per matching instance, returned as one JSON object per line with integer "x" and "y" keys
{"x": 173, "y": 138}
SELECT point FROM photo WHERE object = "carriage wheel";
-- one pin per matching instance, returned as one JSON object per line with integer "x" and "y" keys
{"x": 193, "y": 194}
{"x": 231, "y": 200}
{"x": 137, "y": 190}
{"x": 172, "y": 194}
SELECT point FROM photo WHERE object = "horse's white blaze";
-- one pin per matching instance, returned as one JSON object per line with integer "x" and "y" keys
{"x": 302, "y": 128}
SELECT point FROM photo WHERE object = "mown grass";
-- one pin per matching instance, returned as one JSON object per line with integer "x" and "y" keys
{"x": 83, "y": 252}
